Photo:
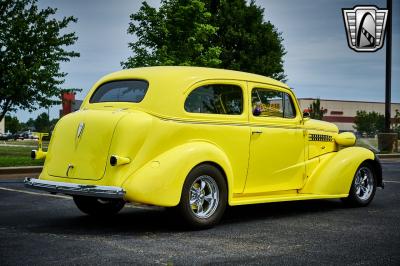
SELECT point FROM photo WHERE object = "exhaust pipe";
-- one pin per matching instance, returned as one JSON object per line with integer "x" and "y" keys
{"x": 38, "y": 154}
{"x": 118, "y": 160}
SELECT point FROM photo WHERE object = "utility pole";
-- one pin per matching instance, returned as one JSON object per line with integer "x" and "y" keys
{"x": 388, "y": 82}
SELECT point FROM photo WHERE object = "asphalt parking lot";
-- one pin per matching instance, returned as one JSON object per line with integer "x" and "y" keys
{"x": 43, "y": 229}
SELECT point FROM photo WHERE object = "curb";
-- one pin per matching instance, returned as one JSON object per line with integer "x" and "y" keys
{"x": 388, "y": 155}
{"x": 20, "y": 170}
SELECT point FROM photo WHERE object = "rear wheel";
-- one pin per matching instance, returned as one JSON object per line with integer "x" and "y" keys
{"x": 363, "y": 188}
{"x": 98, "y": 206}
{"x": 204, "y": 197}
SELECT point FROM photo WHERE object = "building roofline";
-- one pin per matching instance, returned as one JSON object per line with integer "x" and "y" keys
{"x": 349, "y": 101}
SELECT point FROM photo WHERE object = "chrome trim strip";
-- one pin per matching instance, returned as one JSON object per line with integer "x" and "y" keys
{"x": 75, "y": 189}
{"x": 244, "y": 124}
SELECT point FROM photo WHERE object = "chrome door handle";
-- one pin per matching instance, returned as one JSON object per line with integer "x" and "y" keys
{"x": 256, "y": 132}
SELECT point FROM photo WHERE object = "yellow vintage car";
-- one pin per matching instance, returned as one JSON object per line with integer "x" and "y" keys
{"x": 196, "y": 140}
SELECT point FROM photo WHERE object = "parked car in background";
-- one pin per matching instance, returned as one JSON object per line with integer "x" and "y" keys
{"x": 22, "y": 135}
{"x": 197, "y": 140}
{"x": 5, "y": 136}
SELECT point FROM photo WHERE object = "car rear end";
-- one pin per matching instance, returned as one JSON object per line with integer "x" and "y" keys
{"x": 91, "y": 150}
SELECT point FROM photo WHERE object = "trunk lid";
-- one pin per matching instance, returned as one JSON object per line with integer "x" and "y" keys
{"x": 80, "y": 144}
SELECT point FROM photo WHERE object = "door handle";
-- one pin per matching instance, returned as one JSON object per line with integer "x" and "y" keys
{"x": 256, "y": 132}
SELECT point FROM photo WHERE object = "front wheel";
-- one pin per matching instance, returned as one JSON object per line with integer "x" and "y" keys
{"x": 363, "y": 188}
{"x": 204, "y": 197}
{"x": 98, "y": 207}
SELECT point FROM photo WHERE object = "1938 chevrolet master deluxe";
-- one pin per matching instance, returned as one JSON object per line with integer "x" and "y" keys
{"x": 197, "y": 139}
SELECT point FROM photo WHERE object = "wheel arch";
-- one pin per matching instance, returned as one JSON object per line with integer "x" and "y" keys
{"x": 162, "y": 186}
{"x": 377, "y": 168}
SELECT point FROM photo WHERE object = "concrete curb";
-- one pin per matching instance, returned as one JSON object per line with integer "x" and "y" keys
{"x": 20, "y": 170}
{"x": 388, "y": 155}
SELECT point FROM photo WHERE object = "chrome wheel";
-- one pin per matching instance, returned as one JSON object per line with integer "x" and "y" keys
{"x": 364, "y": 183}
{"x": 204, "y": 196}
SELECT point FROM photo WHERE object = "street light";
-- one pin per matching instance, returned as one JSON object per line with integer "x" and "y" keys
{"x": 388, "y": 86}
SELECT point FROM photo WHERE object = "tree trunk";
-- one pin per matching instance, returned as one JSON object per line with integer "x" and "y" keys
{"x": 4, "y": 109}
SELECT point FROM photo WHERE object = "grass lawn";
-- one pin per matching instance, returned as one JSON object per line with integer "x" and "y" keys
{"x": 17, "y": 156}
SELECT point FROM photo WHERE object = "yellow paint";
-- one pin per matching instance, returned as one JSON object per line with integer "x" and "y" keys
{"x": 345, "y": 139}
{"x": 264, "y": 159}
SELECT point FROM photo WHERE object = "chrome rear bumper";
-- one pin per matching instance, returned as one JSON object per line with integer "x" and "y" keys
{"x": 75, "y": 189}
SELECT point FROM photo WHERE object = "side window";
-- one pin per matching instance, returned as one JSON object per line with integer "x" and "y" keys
{"x": 215, "y": 99}
{"x": 271, "y": 103}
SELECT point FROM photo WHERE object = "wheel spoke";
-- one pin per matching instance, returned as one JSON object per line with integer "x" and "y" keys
{"x": 202, "y": 185}
{"x": 364, "y": 178}
{"x": 364, "y": 190}
{"x": 209, "y": 198}
{"x": 199, "y": 208}
{"x": 193, "y": 190}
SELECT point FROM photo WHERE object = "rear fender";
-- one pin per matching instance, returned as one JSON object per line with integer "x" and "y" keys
{"x": 160, "y": 181}
{"x": 334, "y": 174}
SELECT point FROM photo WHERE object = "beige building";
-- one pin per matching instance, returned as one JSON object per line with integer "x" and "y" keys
{"x": 2, "y": 129}
{"x": 342, "y": 113}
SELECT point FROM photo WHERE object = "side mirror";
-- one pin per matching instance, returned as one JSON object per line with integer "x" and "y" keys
{"x": 306, "y": 115}
{"x": 256, "y": 111}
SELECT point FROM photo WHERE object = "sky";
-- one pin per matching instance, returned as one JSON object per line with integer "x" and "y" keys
{"x": 318, "y": 63}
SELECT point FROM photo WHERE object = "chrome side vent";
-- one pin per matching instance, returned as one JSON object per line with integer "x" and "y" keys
{"x": 320, "y": 137}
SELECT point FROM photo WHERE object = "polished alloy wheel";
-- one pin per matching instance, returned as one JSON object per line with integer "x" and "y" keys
{"x": 364, "y": 183}
{"x": 203, "y": 196}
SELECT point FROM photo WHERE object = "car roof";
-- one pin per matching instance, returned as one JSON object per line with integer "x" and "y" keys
{"x": 192, "y": 73}
{"x": 169, "y": 84}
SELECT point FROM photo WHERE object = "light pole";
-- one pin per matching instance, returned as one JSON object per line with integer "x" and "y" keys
{"x": 387, "y": 141}
{"x": 388, "y": 82}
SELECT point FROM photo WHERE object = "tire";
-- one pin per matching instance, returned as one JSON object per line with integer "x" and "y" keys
{"x": 98, "y": 207}
{"x": 363, "y": 187}
{"x": 204, "y": 197}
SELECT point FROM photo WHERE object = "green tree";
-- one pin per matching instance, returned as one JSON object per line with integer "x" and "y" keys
{"x": 316, "y": 111}
{"x": 42, "y": 123}
{"x": 247, "y": 42}
{"x": 369, "y": 123}
{"x": 32, "y": 46}
{"x": 176, "y": 34}
{"x": 12, "y": 124}
{"x": 226, "y": 34}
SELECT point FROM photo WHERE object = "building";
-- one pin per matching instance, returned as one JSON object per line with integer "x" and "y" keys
{"x": 69, "y": 103}
{"x": 342, "y": 113}
{"x": 2, "y": 127}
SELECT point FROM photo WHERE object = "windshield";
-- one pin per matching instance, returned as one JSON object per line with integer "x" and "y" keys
{"x": 120, "y": 91}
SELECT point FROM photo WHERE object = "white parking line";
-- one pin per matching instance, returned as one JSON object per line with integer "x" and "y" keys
{"x": 34, "y": 193}
{"x": 130, "y": 205}
{"x": 390, "y": 181}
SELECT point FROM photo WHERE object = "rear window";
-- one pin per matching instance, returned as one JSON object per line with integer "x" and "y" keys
{"x": 120, "y": 91}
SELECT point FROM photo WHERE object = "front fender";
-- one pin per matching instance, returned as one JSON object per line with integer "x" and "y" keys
{"x": 160, "y": 181}
{"x": 334, "y": 174}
